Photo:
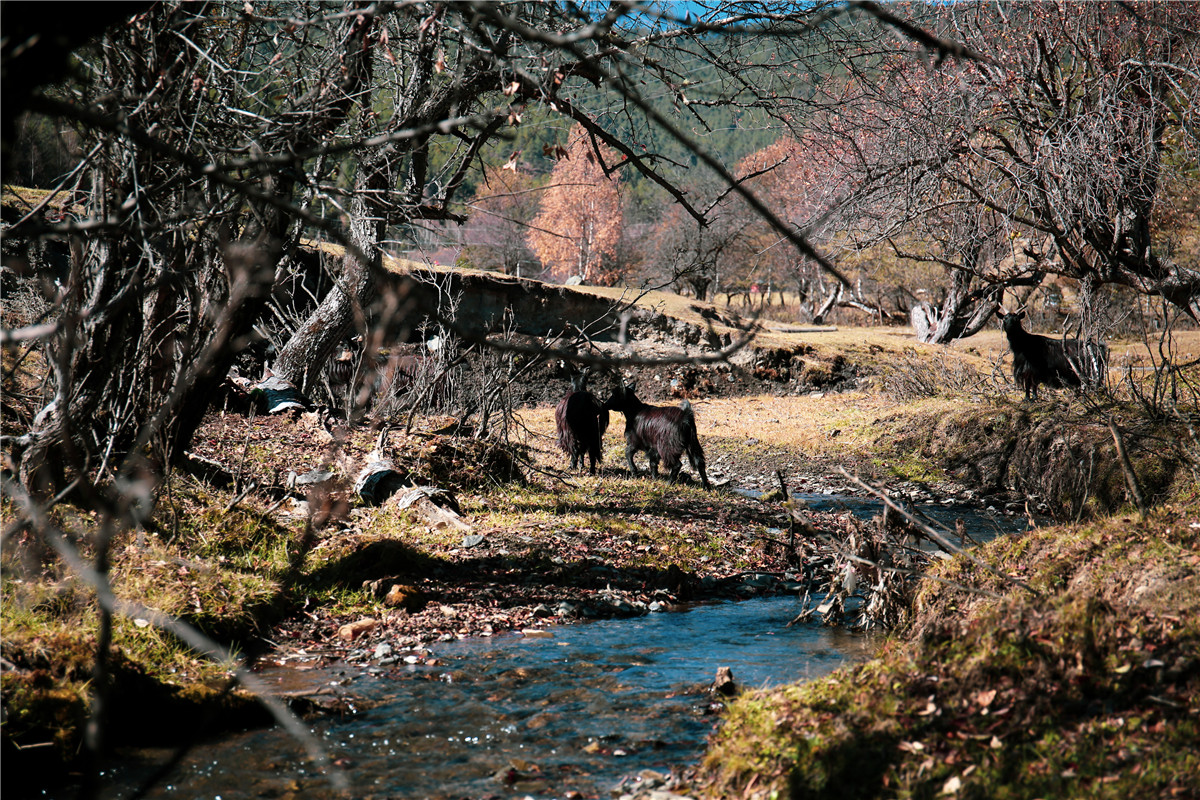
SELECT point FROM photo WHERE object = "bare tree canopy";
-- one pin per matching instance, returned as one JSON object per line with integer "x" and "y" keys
{"x": 213, "y": 138}
{"x": 1062, "y": 147}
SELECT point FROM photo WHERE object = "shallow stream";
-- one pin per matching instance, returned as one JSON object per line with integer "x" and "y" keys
{"x": 581, "y": 708}
{"x": 532, "y": 716}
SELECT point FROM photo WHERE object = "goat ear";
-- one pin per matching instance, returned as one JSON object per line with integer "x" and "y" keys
{"x": 1021, "y": 314}
{"x": 1000, "y": 312}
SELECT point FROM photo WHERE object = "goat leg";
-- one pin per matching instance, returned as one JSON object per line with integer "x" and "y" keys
{"x": 633, "y": 470}
{"x": 698, "y": 465}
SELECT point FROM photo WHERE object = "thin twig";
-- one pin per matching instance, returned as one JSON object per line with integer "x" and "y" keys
{"x": 1131, "y": 478}
{"x": 240, "y": 497}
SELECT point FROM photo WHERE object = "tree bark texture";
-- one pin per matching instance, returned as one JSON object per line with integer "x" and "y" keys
{"x": 963, "y": 312}
{"x": 300, "y": 360}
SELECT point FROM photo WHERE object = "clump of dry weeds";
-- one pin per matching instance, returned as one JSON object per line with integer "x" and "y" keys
{"x": 913, "y": 375}
{"x": 869, "y": 574}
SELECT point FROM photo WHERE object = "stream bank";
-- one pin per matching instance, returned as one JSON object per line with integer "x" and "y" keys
{"x": 1079, "y": 675}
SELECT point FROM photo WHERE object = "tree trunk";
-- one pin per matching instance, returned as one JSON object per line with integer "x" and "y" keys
{"x": 924, "y": 320}
{"x": 834, "y": 296}
{"x": 963, "y": 313}
{"x": 302, "y": 358}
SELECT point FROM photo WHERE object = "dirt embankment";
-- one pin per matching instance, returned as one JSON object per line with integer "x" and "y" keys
{"x": 1062, "y": 460}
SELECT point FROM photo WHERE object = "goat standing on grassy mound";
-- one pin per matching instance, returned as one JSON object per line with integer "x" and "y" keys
{"x": 1058, "y": 363}
{"x": 581, "y": 422}
{"x": 664, "y": 432}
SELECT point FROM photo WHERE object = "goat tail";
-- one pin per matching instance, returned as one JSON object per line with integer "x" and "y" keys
{"x": 689, "y": 432}
{"x": 566, "y": 437}
{"x": 596, "y": 444}
{"x": 695, "y": 454}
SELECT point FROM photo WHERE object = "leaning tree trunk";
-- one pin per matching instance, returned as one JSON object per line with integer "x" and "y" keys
{"x": 963, "y": 313}
{"x": 301, "y": 359}
{"x": 306, "y": 352}
{"x": 835, "y": 295}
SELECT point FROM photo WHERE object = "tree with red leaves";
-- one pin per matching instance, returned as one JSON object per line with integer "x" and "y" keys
{"x": 495, "y": 236}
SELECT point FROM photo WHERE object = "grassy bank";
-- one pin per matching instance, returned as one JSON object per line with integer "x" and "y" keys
{"x": 1084, "y": 682}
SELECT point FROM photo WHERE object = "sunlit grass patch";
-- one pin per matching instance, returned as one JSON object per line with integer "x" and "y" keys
{"x": 158, "y": 689}
{"x": 228, "y": 604}
{"x": 832, "y": 426}
{"x": 50, "y": 642}
{"x": 640, "y": 522}
{"x": 244, "y": 537}
{"x": 46, "y": 693}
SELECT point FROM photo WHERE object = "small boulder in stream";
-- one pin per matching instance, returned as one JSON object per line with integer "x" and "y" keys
{"x": 724, "y": 685}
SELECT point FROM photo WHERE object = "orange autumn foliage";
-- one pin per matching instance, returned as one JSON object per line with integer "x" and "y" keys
{"x": 579, "y": 226}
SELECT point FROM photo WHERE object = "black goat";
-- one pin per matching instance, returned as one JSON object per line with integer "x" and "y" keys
{"x": 1058, "y": 363}
{"x": 664, "y": 432}
{"x": 581, "y": 422}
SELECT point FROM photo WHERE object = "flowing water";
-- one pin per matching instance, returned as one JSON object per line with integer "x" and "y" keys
{"x": 580, "y": 709}
{"x": 538, "y": 716}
